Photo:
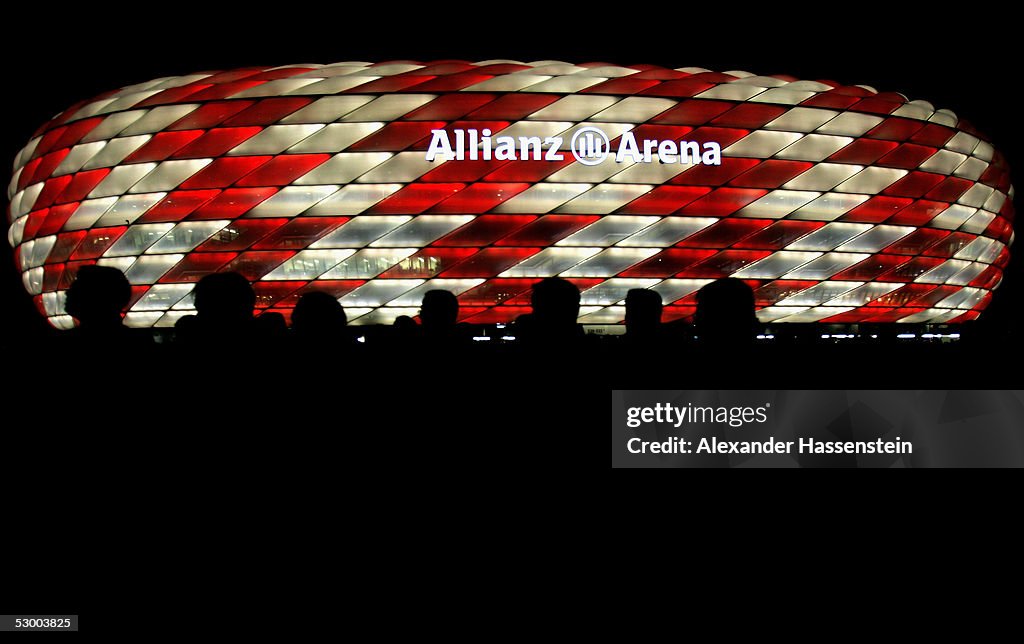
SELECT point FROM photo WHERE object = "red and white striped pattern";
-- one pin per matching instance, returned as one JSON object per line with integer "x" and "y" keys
{"x": 837, "y": 203}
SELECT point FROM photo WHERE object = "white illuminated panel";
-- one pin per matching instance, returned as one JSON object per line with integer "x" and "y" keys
{"x": 668, "y": 231}
{"x": 607, "y": 231}
{"x": 777, "y": 204}
{"x": 292, "y": 200}
{"x": 573, "y": 108}
{"x": 829, "y": 237}
{"x": 814, "y": 147}
{"x": 550, "y": 262}
{"x": 826, "y": 266}
{"x": 609, "y": 262}
{"x": 128, "y": 208}
{"x": 378, "y": 292}
{"x": 368, "y": 263}
{"x": 613, "y": 290}
{"x": 277, "y": 138}
{"x": 875, "y": 239}
{"x": 308, "y": 264}
{"x": 776, "y": 264}
{"x": 543, "y": 197}
{"x": 761, "y": 144}
{"x": 352, "y": 199}
{"x": 422, "y": 230}
{"x": 360, "y": 231}
{"x": 115, "y": 151}
{"x": 186, "y": 236}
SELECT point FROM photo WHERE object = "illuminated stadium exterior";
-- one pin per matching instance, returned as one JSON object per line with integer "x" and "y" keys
{"x": 836, "y": 203}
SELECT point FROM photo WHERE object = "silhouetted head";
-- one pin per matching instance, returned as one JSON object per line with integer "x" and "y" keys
{"x": 556, "y": 303}
{"x": 643, "y": 311}
{"x": 97, "y": 296}
{"x": 725, "y": 312}
{"x": 224, "y": 300}
{"x": 318, "y": 313}
{"x": 270, "y": 324}
{"x": 439, "y": 310}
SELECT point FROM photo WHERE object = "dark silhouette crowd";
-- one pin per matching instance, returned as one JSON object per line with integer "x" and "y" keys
{"x": 547, "y": 342}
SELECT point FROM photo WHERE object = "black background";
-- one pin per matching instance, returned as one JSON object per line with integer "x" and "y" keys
{"x": 964, "y": 59}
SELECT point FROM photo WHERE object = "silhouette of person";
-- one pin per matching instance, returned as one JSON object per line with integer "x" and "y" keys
{"x": 643, "y": 315}
{"x": 404, "y": 334}
{"x": 270, "y": 326}
{"x": 96, "y": 299}
{"x": 725, "y": 314}
{"x": 438, "y": 313}
{"x": 556, "y": 305}
{"x": 319, "y": 321}
{"x": 224, "y": 310}
{"x": 318, "y": 314}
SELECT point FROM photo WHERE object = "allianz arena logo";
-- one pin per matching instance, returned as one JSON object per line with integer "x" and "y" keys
{"x": 589, "y": 145}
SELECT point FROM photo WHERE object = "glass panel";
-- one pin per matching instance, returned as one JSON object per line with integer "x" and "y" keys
{"x": 308, "y": 264}
{"x": 121, "y": 178}
{"x": 415, "y": 296}
{"x": 138, "y": 238}
{"x": 876, "y": 239}
{"x": 815, "y": 147}
{"x": 422, "y": 230}
{"x": 634, "y": 109}
{"x": 148, "y": 269}
{"x": 864, "y": 294}
{"x": 607, "y": 315}
{"x": 343, "y": 168}
{"x": 573, "y": 108}
{"x": 850, "y": 124}
{"x": 400, "y": 168}
{"x": 815, "y": 314}
{"x": 604, "y": 198}
{"x": 614, "y": 290}
{"x": 360, "y": 231}
{"x": 169, "y": 174}
{"x": 186, "y": 236}
{"x": 819, "y": 294}
{"x": 276, "y": 139}
{"x": 776, "y": 265}
{"x": 378, "y": 292}
{"x": 609, "y": 262}
{"x": 952, "y": 217}
{"x": 368, "y": 263}
{"x": 826, "y": 266}
{"x": 777, "y": 204}
{"x": 941, "y": 273}
{"x": 353, "y": 199}
{"x": 129, "y": 208}
{"x": 668, "y": 231}
{"x": 871, "y": 180}
{"x": 608, "y": 231}
{"x": 823, "y": 176}
{"x": 829, "y": 237}
{"x": 327, "y": 109}
{"x": 761, "y": 144}
{"x": 389, "y": 107}
{"x": 543, "y": 197}
{"x": 162, "y": 297}
{"x": 292, "y": 200}
{"x": 550, "y": 261}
